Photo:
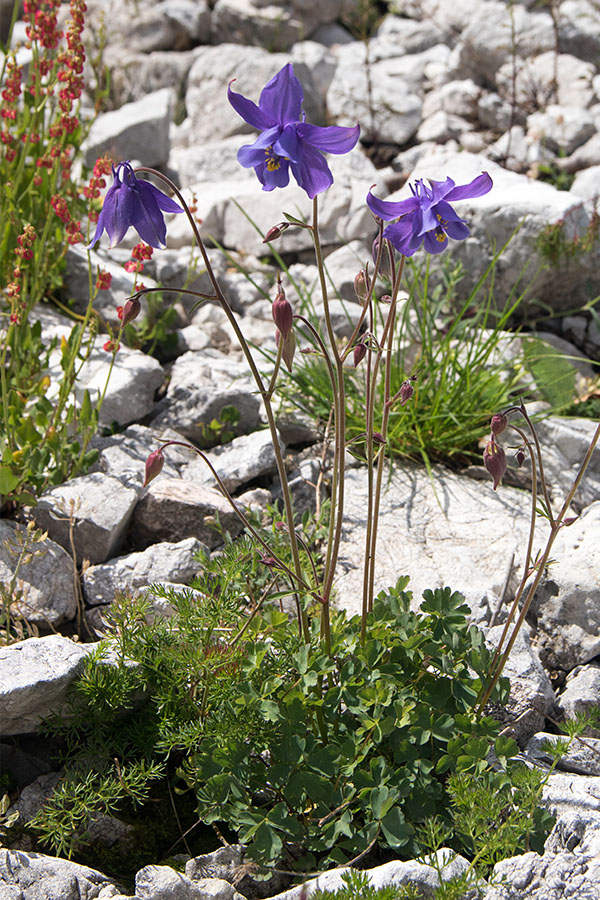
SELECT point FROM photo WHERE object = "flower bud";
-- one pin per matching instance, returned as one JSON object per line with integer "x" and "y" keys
{"x": 499, "y": 423}
{"x": 359, "y": 353}
{"x": 520, "y": 456}
{"x": 288, "y": 349}
{"x": 384, "y": 264}
{"x": 275, "y": 232}
{"x": 283, "y": 315}
{"x": 378, "y": 438}
{"x": 406, "y": 391}
{"x": 494, "y": 459}
{"x": 131, "y": 311}
{"x": 154, "y": 465}
{"x": 360, "y": 285}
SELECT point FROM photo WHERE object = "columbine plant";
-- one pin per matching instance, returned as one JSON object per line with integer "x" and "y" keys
{"x": 383, "y": 705}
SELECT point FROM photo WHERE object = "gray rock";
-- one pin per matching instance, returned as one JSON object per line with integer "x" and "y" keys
{"x": 161, "y": 562}
{"x": 531, "y": 694}
{"x": 100, "y": 507}
{"x": 413, "y": 872}
{"x": 201, "y": 385}
{"x": 457, "y": 98}
{"x": 494, "y": 112}
{"x": 561, "y": 128}
{"x": 175, "y": 509}
{"x": 35, "y": 677}
{"x": 587, "y": 183}
{"x": 134, "y": 75}
{"x": 247, "y": 23}
{"x": 567, "y": 794}
{"x": 579, "y": 29}
{"x": 496, "y": 32}
{"x": 585, "y": 156}
{"x": 441, "y": 127}
{"x": 566, "y": 607}
{"x": 582, "y": 758}
{"x": 33, "y": 876}
{"x": 138, "y": 130}
{"x": 564, "y": 444}
{"x": 384, "y": 102}
{"x": 582, "y": 692}
{"x": 454, "y": 532}
{"x": 44, "y": 593}
{"x": 123, "y": 455}
{"x": 132, "y": 383}
{"x": 244, "y": 459}
{"x": 164, "y": 883}
{"x": 171, "y": 25}
{"x": 547, "y": 78}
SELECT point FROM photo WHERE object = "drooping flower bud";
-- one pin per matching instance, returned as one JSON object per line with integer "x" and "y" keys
{"x": 520, "y": 456}
{"x": 154, "y": 465}
{"x": 289, "y": 348}
{"x": 378, "y": 438}
{"x": 360, "y": 285}
{"x": 494, "y": 459}
{"x": 384, "y": 264}
{"x": 499, "y": 423}
{"x": 283, "y": 315}
{"x": 275, "y": 232}
{"x": 359, "y": 353}
{"x": 131, "y": 311}
{"x": 406, "y": 391}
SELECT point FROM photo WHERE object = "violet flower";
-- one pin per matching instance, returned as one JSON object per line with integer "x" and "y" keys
{"x": 427, "y": 216}
{"x": 133, "y": 202}
{"x": 286, "y": 140}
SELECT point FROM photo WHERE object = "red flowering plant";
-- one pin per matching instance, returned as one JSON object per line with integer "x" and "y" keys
{"x": 42, "y": 205}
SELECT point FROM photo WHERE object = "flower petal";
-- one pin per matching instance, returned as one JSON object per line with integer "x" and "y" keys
{"x": 402, "y": 236}
{"x": 274, "y": 178}
{"x": 476, "y": 188}
{"x": 329, "y": 139}
{"x": 388, "y": 209}
{"x": 281, "y": 99}
{"x": 249, "y": 111}
{"x": 147, "y": 219}
{"x": 435, "y": 241}
{"x": 451, "y": 222}
{"x": 289, "y": 145}
{"x": 312, "y": 173}
{"x": 165, "y": 203}
{"x": 440, "y": 189}
{"x": 251, "y": 155}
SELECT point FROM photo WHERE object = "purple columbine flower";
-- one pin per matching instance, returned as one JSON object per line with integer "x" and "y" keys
{"x": 427, "y": 216}
{"x": 286, "y": 140}
{"x": 132, "y": 202}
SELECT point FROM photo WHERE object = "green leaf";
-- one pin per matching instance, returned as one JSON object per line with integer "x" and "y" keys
{"x": 8, "y": 480}
{"x": 396, "y": 830}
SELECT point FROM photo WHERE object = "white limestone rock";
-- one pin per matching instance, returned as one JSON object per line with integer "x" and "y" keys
{"x": 100, "y": 508}
{"x": 237, "y": 463}
{"x": 138, "y": 130}
{"x": 173, "y": 509}
{"x": 561, "y": 128}
{"x": 164, "y": 561}
{"x": 35, "y": 676}
{"x": 566, "y": 606}
{"x": 44, "y": 593}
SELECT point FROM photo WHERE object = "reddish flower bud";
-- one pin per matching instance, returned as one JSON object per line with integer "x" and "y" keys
{"x": 283, "y": 315}
{"x": 378, "y": 438}
{"x": 406, "y": 391}
{"x": 154, "y": 465}
{"x": 499, "y": 423}
{"x": 494, "y": 459}
{"x": 360, "y": 285}
{"x": 275, "y": 232}
{"x": 131, "y": 310}
{"x": 269, "y": 561}
{"x": 520, "y": 456}
{"x": 359, "y": 353}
